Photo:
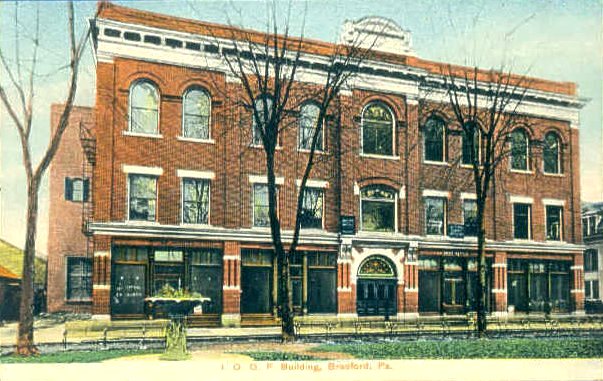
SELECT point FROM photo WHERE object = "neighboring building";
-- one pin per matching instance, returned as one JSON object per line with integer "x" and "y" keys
{"x": 592, "y": 233}
{"x": 69, "y": 248}
{"x": 11, "y": 270}
{"x": 180, "y": 196}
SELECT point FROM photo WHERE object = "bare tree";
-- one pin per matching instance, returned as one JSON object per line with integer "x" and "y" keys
{"x": 21, "y": 111}
{"x": 268, "y": 69}
{"x": 485, "y": 106}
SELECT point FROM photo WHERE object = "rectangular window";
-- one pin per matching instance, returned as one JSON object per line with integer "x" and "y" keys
{"x": 195, "y": 201}
{"x": 435, "y": 215}
{"x": 77, "y": 189}
{"x": 554, "y": 223}
{"x": 79, "y": 278}
{"x": 260, "y": 205}
{"x": 591, "y": 260}
{"x": 142, "y": 197}
{"x": 595, "y": 288}
{"x": 312, "y": 208}
{"x": 470, "y": 217}
{"x": 522, "y": 221}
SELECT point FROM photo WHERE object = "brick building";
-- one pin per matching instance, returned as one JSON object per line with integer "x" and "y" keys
{"x": 179, "y": 193}
{"x": 592, "y": 233}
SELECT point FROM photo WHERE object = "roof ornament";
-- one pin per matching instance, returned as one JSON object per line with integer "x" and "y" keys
{"x": 379, "y": 33}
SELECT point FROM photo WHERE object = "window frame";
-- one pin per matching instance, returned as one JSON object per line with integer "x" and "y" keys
{"x": 157, "y": 132}
{"x": 322, "y": 148}
{"x": 444, "y": 215}
{"x": 129, "y": 188}
{"x": 209, "y": 119}
{"x": 436, "y": 119}
{"x": 529, "y": 222}
{"x": 89, "y": 274}
{"x": 322, "y": 212}
{"x": 394, "y": 202}
{"x": 474, "y": 201}
{"x": 480, "y": 155}
{"x": 546, "y": 222}
{"x": 269, "y": 104}
{"x": 182, "y": 201}
{"x": 527, "y": 161}
{"x": 393, "y": 130}
{"x": 593, "y": 265}
{"x": 558, "y": 155}
{"x": 253, "y": 186}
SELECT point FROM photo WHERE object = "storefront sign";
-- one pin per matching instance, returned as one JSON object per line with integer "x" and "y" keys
{"x": 456, "y": 231}
{"x": 347, "y": 224}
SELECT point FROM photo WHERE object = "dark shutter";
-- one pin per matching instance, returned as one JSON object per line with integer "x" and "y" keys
{"x": 86, "y": 190}
{"x": 68, "y": 189}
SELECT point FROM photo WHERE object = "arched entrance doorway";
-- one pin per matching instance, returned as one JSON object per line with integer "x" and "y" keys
{"x": 376, "y": 291}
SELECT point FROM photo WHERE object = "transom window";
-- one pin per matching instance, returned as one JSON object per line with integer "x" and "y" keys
{"x": 195, "y": 201}
{"x": 142, "y": 197}
{"x": 522, "y": 221}
{"x": 144, "y": 108}
{"x": 554, "y": 222}
{"x": 472, "y": 144}
{"x": 378, "y": 208}
{"x": 519, "y": 150}
{"x": 308, "y": 118}
{"x": 435, "y": 215}
{"x": 470, "y": 217}
{"x": 377, "y": 130}
{"x": 262, "y": 105}
{"x": 312, "y": 208}
{"x": 435, "y": 140}
{"x": 196, "y": 110}
{"x": 79, "y": 278}
{"x": 551, "y": 153}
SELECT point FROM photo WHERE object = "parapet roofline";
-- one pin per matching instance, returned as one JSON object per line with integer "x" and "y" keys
{"x": 110, "y": 11}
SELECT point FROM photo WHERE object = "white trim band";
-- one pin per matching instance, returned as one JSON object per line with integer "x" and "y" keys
{"x": 577, "y": 291}
{"x": 141, "y": 170}
{"x": 313, "y": 183}
{"x": 499, "y": 265}
{"x": 435, "y": 193}
{"x": 101, "y": 254}
{"x": 188, "y": 173}
{"x": 468, "y": 196}
{"x": 553, "y": 201}
{"x": 235, "y": 288}
{"x": 101, "y": 287}
{"x": 231, "y": 258}
{"x": 577, "y": 267}
{"x": 521, "y": 200}
{"x": 258, "y": 179}
{"x": 499, "y": 290}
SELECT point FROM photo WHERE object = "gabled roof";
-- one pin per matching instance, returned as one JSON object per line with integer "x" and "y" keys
{"x": 11, "y": 259}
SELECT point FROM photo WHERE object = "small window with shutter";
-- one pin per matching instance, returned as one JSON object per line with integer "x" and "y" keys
{"x": 77, "y": 189}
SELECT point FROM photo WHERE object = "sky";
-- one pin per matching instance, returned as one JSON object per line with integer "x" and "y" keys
{"x": 557, "y": 40}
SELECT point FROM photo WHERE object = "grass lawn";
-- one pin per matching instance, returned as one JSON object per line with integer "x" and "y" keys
{"x": 278, "y": 356}
{"x": 74, "y": 356}
{"x": 468, "y": 349}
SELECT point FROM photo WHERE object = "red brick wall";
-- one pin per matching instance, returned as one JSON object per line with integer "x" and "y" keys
{"x": 65, "y": 237}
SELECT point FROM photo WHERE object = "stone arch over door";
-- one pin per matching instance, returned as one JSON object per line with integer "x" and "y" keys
{"x": 376, "y": 287}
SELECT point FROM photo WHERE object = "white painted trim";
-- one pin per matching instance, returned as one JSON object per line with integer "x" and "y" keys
{"x": 101, "y": 254}
{"x": 231, "y": 288}
{"x": 313, "y": 183}
{"x": 101, "y": 287}
{"x": 499, "y": 290}
{"x": 231, "y": 258}
{"x": 411, "y": 289}
{"x": 259, "y": 179}
{"x": 577, "y": 267}
{"x": 344, "y": 289}
{"x": 142, "y": 134}
{"x": 440, "y": 163}
{"x": 435, "y": 193}
{"x": 468, "y": 196}
{"x": 521, "y": 200}
{"x": 195, "y": 140}
{"x": 499, "y": 265}
{"x": 375, "y": 156}
{"x": 577, "y": 291}
{"x": 356, "y": 189}
{"x": 141, "y": 170}
{"x": 553, "y": 202}
{"x": 192, "y": 174}
{"x": 402, "y": 192}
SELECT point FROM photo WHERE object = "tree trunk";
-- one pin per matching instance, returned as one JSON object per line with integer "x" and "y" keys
{"x": 25, "y": 331}
{"x": 482, "y": 289}
{"x": 285, "y": 300}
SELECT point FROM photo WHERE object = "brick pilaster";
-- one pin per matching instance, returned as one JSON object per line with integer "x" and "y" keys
{"x": 410, "y": 301}
{"x": 499, "y": 282}
{"x": 346, "y": 291}
{"x": 577, "y": 289}
{"x": 231, "y": 285}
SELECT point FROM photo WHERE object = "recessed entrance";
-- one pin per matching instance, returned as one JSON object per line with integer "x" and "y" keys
{"x": 376, "y": 291}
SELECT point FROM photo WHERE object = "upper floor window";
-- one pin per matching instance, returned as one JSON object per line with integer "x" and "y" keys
{"x": 378, "y": 208}
{"x": 263, "y": 105}
{"x": 144, "y": 108}
{"x": 308, "y": 118}
{"x": 554, "y": 222}
{"x": 195, "y": 201}
{"x": 522, "y": 221}
{"x": 470, "y": 217}
{"x": 196, "y": 111}
{"x": 472, "y": 144}
{"x": 377, "y": 130}
{"x": 591, "y": 260}
{"x": 79, "y": 278}
{"x": 312, "y": 208}
{"x": 551, "y": 153}
{"x": 519, "y": 150}
{"x": 261, "y": 216}
{"x": 77, "y": 189}
{"x": 435, "y": 140}
{"x": 435, "y": 215}
{"x": 142, "y": 197}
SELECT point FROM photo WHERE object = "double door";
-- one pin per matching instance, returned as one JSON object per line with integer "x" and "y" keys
{"x": 376, "y": 297}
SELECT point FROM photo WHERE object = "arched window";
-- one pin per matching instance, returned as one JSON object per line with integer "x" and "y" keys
{"x": 144, "y": 108}
{"x": 472, "y": 144}
{"x": 378, "y": 208}
{"x": 519, "y": 150}
{"x": 308, "y": 117}
{"x": 551, "y": 153}
{"x": 263, "y": 104}
{"x": 377, "y": 130}
{"x": 435, "y": 140}
{"x": 196, "y": 109}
